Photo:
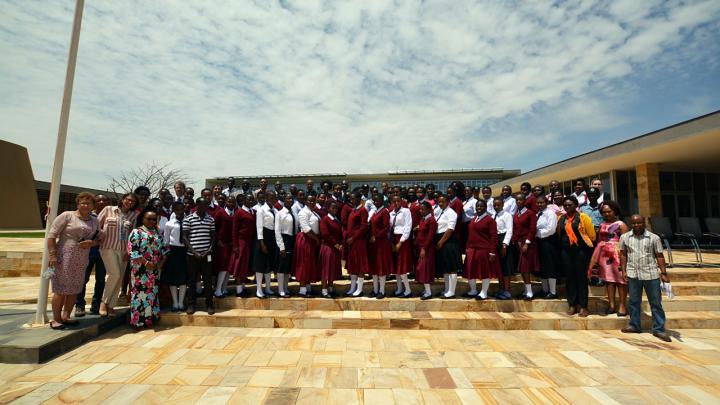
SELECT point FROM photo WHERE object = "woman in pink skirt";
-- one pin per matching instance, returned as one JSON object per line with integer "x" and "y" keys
{"x": 331, "y": 234}
{"x": 379, "y": 246}
{"x": 607, "y": 256}
{"x": 401, "y": 226}
{"x": 425, "y": 245}
{"x": 481, "y": 251}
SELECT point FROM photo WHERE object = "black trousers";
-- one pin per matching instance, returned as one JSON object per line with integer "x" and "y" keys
{"x": 574, "y": 261}
{"x": 199, "y": 267}
{"x": 97, "y": 263}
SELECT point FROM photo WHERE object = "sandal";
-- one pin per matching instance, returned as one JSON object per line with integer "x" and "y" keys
{"x": 60, "y": 326}
{"x": 71, "y": 322}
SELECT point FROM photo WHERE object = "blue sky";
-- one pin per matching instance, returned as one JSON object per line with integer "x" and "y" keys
{"x": 356, "y": 86}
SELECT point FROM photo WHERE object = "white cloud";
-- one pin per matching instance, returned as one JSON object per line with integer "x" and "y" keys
{"x": 210, "y": 86}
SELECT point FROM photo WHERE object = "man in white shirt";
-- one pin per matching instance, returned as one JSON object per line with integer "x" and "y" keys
{"x": 598, "y": 184}
{"x": 504, "y": 222}
{"x": 509, "y": 203}
{"x": 230, "y": 188}
{"x": 263, "y": 187}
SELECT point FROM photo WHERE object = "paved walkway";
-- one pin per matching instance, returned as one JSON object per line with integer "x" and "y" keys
{"x": 285, "y": 366}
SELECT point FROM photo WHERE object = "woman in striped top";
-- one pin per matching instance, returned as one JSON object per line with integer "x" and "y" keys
{"x": 116, "y": 222}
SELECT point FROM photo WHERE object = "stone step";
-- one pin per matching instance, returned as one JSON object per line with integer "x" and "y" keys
{"x": 596, "y": 304}
{"x": 20, "y": 264}
{"x": 516, "y": 287}
{"x": 429, "y": 320}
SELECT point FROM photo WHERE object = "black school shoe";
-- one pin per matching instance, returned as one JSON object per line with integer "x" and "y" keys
{"x": 380, "y": 296}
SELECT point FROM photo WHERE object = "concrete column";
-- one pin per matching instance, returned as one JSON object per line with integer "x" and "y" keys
{"x": 648, "y": 189}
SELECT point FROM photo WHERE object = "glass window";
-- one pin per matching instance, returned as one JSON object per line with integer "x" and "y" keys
{"x": 683, "y": 181}
{"x": 667, "y": 182}
{"x": 685, "y": 205}
{"x": 712, "y": 181}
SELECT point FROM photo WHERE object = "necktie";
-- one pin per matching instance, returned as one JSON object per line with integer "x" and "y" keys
{"x": 539, "y": 214}
{"x": 292, "y": 232}
{"x": 496, "y": 214}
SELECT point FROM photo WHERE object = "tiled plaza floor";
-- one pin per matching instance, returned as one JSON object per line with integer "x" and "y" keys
{"x": 286, "y": 366}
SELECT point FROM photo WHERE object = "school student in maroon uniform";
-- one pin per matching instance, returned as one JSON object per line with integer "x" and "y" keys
{"x": 243, "y": 237}
{"x": 481, "y": 261}
{"x": 524, "y": 230}
{"x": 321, "y": 204}
{"x": 331, "y": 234}
{"x": 379, "y": 246}
{"x": 223, "y": 250}
{"x": 356, "y": 242}
{"x": 425, "y": 245}
{"x": 307, "y": 247}
{"x": 456, "y": 204}
{"x": 401, "y": 223}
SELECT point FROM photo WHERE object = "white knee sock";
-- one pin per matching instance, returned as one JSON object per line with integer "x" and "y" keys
{"x": 382, "y": 284}
{"x": 281, "y": 283}
{"x": 258, "y": 283}
{"x": 428, "y": 291}
{"x": 287, "y": 283}
{"x": 485, "y": 286}
{"x": 552, "y": 282}
{"x": 239, "y": 288}
{"x": 225, "y": 282}
{"x": 545, "y": 285}
{"x": 181, "y": 295}
{"x": 303, "y": 290}
{"x": 406, "y": 283}
{"x": 447, "y": 283}
{"x": 528, "y": 290}
{"x": 376, "y": 284}
{"x": 398, "y": 286}
{"x": 452, "y": 283}
{"x": 174, "y": 294}
{"x": 219, "y": 283}
{"x": 353, "y": 283}
{"x": 268, "y": 277}
{"x": 359, "y": 290}
{"x": 473, "y": 286}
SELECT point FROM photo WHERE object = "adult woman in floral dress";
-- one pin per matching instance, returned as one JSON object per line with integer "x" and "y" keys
{"x": 607, "y": 256}
{"x": 71, "y": 236}
{"x": 147, "y": 255}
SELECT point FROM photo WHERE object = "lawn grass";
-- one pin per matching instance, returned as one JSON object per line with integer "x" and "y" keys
{"x": 39, "y": 234}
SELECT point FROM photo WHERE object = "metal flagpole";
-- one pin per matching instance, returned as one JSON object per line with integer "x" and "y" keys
{"x": 41, "y": 312}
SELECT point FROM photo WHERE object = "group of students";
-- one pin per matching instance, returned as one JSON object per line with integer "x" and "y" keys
{"x": 409, "y": 233}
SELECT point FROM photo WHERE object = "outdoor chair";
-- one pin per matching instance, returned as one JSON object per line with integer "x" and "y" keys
{"x": 713, "y": 227}
{"x": 692, "y": 226}
{"x": 678, "y": 240}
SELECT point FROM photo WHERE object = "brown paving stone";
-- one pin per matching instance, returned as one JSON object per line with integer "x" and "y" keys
{"x": 439, "y": 378}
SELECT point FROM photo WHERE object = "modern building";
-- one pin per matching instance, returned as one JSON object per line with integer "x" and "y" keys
{"x": 441, "y": 178}
{"x": 672, "y": 172}
{"x": 26, "y": 202}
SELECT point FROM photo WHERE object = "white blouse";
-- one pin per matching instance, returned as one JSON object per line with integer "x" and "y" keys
{"x": 504, "y": 223}
{"x": 546, "y": 224}
{"x": 265, "y": 219}
{"x": 510, "y": 205}
{"x": 171, "y": 233}
{"x": 401, "y": 221}
{"x": 469, "y": 209}
{"x": 309, "y": 221}
{"x": 446, "y": 219}
{"x": 283, "y": 225}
